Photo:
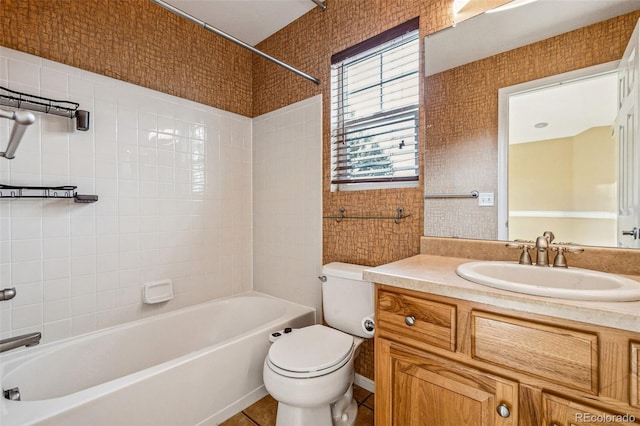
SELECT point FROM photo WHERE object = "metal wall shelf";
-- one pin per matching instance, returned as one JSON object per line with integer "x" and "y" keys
{"x": 22, "y": 119}
{"x": 400, "y": 214}
{"x": 21, "y": 100}
{"x": 67, "y": 191}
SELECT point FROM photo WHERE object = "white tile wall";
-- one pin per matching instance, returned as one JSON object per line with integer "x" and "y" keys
{"x": 175, "y": 184}
{"x": 287, "y": 202}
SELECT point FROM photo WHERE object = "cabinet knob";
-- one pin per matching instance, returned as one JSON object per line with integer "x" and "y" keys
{"x": 409, "y": 320}
{"x": 503, "y": 410}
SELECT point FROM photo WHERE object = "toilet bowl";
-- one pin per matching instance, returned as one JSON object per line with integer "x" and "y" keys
{"x": 310, "y": 371}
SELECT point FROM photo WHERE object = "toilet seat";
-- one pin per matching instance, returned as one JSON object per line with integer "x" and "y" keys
{"x": 310, "y": 352}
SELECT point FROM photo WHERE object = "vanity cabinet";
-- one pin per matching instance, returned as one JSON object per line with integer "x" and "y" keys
{"x": 431, "y": 391}
{"x": 449, "y": 362}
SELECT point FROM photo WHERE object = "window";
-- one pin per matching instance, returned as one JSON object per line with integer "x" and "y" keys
{"x": 374, "y": 111}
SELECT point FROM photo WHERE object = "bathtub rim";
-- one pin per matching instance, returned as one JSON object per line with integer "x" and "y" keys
{"x": 23, "y": 411}
{"x": 8, "y": 357}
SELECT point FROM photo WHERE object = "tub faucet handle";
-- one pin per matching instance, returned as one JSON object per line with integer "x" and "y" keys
{"x": 12, "y": 394}
{"x": 7, "y": 293}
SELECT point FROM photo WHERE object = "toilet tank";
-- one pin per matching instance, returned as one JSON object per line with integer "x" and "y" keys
{"x": 346, "y": 299}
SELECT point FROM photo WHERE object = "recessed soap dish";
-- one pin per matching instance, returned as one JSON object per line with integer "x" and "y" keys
{"x": 157, "y": 291}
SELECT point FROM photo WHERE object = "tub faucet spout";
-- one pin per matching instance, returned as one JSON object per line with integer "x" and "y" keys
{"x": 27, "y": 340}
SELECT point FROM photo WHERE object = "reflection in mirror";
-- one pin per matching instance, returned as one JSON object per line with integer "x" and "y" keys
{"x": 491, "y": 33}
{"x": 562, "y": 162}
{"x": 461, "y": 111}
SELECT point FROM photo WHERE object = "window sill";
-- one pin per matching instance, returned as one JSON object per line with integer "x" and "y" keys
{"x": 367, "y": 186}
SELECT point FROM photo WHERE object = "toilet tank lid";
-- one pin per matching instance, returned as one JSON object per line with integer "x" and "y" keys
{"x": 344, "y": 270}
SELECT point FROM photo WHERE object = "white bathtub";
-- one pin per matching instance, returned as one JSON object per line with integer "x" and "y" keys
{"x": 197, "y": 365}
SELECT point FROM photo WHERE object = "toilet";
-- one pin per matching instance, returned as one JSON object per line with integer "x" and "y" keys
{"x": 309, "y": 370}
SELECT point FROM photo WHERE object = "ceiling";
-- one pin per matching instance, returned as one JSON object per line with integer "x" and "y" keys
{"x": 248, "y": 20}
{"x": 568, "y": 109}
{"x": 492, "y": 33}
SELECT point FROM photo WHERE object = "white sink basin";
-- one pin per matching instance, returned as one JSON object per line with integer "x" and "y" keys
{"x": 570, "y": 283}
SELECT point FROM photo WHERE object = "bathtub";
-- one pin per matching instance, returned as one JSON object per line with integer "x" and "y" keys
{"x": 194, "y": 366}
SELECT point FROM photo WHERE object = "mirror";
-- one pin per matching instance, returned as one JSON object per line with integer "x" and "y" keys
{"x": 466, "y": 66}
{"x": 561, "y": 150}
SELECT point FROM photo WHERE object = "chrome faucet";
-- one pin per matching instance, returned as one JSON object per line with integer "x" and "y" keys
{"x": 543, "y": 244}
{"x": 27, "y": 340}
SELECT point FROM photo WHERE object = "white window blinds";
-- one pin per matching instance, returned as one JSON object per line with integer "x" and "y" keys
{"x": 374, "y": 109}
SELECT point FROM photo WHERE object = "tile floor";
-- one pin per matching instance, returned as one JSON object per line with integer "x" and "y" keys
{"x": 263, "y": 412}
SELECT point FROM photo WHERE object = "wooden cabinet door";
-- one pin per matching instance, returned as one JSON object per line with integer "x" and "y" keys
{"x": 430, "y": 391}
{"x": 558, "y": 411}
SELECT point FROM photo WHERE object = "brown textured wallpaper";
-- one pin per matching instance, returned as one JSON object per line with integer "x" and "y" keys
{"x": 135, "y": 41}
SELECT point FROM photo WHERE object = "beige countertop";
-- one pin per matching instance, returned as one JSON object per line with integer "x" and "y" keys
{"x": 436, "y": 275}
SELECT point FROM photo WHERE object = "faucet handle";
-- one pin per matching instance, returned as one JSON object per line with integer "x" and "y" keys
{"x": 574, "y": 249}
{"x": 560, "y": 261}
{"x": 525, "y": 257}
{"x": 549, "y": 236}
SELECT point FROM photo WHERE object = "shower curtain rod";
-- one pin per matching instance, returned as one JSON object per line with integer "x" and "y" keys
{"x": 233, "y": 39}
{"x": 320, "y": 3}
